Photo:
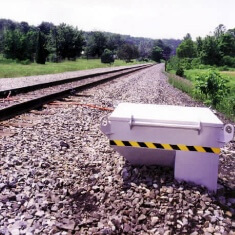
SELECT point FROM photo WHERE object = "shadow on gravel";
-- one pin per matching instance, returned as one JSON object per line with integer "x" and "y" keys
{"x": 84, "y": 201}
{"x": 157, "y": 178}
{"x": 153, "y": 177}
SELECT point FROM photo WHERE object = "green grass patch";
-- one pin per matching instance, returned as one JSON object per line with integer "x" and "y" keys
{"x": 10, "y": 68}
{"x": 226, "y": 106}
{"x": 181, "y": 83}
{"x": 193, "y": 73}
{"x": 229, "y": 75}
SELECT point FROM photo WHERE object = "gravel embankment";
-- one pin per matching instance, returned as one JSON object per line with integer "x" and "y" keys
{"x": 58, "y": 174}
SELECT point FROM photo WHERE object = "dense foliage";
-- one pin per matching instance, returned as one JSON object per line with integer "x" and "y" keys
{"x": 41, "y": 51}
{"x": 194, "y": 59}
{"x": 187, "y": 48}
{"x": 48, "y": 42}
{"x": 157, "y": 54}
{"x": 107, "y": 57}
{"x": 213, "y": 86}
{"x": 128, "y": 52}
{"x": 213, "y": 50}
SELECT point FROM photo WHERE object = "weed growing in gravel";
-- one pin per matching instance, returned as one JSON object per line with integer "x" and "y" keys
{"x": 181, "y": 83}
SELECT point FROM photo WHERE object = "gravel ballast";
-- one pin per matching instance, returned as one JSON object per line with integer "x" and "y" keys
{"x": 58, "y": 174}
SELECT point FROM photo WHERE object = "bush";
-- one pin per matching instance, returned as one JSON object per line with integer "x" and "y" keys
{"x": 173, "y": 63}
{"x": 186, "y": 63}
{"x": 224, "y": 68}
{"x": 180, "y": 72}
{"x": 107, "y": 57}
{"x": 229, "y": 61}
{"x": 128, "y": 52}
{"x": 196, "y": 62}
{"x": 156, "y": 54}
{"x": 227, "y": 106}
{"x": 212, "y": 87}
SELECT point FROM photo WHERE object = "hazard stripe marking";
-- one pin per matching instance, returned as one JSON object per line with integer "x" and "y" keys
{"x": 175, "y": 147}
{"x": 142, "y": 144}
{"x": 183, "y": 147}
{"x": 167, "y": 147}
{"x": 191, "y": 148}
{"x": 208, "y": 149}
{"x": 118, "y": 143}
{"x": 151, "y": 145}
{"x": 158, "y": 146}
{"x": 134, "y": 144}
{"x": 200, "y": 149}
{"x": 216, "y": 150}
{"x": 126, "y": 143}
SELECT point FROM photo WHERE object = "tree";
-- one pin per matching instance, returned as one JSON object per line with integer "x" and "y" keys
{"x": 114, "y": 41}
{"x": 159, "y": 43}
{"x": 12, "y": 47}
{"x": 166, "y": 50}
{"x": 69, "y": 41}
{"x": 128, "y": 52}
{"x": 219, "y": 30}
{"x": 187, "y": 48}
{"x": 199, "y": 44}
{"x": 145, "y": 48}
{"x": 187, "y": 36}
{"x": 157, "y": 54}
{"x": 96, "y": 44}
{"x": 166, "y": 53}
{"x": 41, "y": 52}
{"x": 107, "y": 57}
{"x": 52, "y": 45}
{"x": 46, "y": 27}
{"x": 231, "y": 32}
{"x": 210, "y": 51}
{"x": 18, "y": 45}
{"x": 226, "y": 45}
{"x": 24, "y": 27}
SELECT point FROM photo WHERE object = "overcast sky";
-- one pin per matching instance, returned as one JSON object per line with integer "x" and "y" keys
{"x": 146, "y": 18}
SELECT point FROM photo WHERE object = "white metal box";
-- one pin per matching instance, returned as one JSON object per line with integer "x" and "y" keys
{"x": 186, "y": 138}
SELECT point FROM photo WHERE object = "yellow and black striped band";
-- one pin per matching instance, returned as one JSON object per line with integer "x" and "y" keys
{"x": 151, "y": 145}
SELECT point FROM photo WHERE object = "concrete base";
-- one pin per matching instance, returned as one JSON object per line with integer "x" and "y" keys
{"x": 199, "y": 168}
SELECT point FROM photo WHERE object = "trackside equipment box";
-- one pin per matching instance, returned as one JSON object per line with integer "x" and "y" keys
{"x": 186, "y": 138}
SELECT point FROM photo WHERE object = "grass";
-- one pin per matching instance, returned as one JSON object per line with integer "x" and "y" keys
{"x": 10, "y": 68}
{"x": 192, "y": 73}
{"x": 227, "y": 105}
{"x": 181, "y": 83}
{"x": 229, "y": 75}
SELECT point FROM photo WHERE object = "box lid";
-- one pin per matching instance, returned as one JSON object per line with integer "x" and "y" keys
{"x": 165, "y": 114}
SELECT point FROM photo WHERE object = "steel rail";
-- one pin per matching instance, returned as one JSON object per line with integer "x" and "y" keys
{"x": 15, "y": 91}
{"x": 25, "y": 106}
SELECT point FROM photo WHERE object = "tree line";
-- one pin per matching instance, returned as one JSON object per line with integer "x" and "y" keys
{"x": 217, "y": 49}
{"x": 48, "y": 42}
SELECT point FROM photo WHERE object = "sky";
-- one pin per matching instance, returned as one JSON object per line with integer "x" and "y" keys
{"x": 155, "y": 19}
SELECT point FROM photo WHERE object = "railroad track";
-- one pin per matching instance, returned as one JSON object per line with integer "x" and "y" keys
{"x": 22, "y": 99}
